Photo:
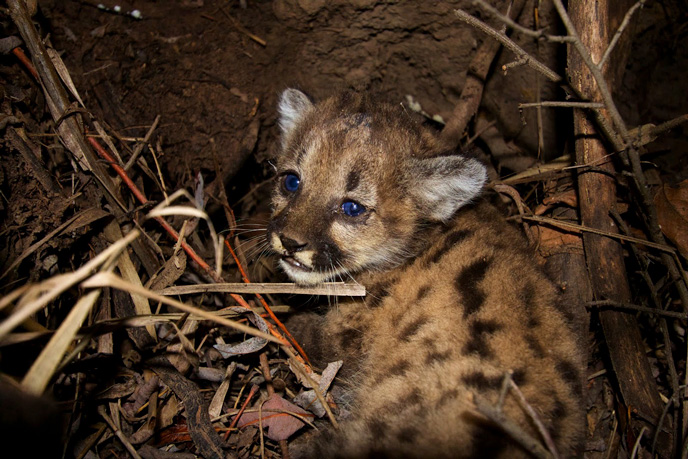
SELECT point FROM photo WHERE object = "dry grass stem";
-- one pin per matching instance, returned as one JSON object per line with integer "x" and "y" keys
{"x": 110, "y": 280}
{"x": 43, "y": 368}
{"x": 57, "y": 285}
{"x": 581, "y": 228}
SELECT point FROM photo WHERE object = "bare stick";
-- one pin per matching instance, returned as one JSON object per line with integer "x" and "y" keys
{"x": 514, "y": 64}
{"x": 622, "y": 27}
{"x": 602, "y": 86}
{"x": 518, "y": 27}
{"x": 328, "y": 288}
{"x": 534, "y": 417}
{"x": 660, "y": 422}
{"x": 472, "y": 92}
{"x": 647, "y": 133}
{"x": 265, "y": 369}
{"x": 140, "y": 146}
{"x": 635, "y": 307}
{"x": 562, "y": 104}
{"x": 37, "y": 166}
{"x": 69, "y": 128}
{"x": 511, "y": 428}
{"x": 576, "y": 227}
{"x": 510, "y": 45}
{"x": 118, "y": 433}
{"x": 633, "y": 155}
{"x": 634, "y": 454}
{"x": 516, "y": 197}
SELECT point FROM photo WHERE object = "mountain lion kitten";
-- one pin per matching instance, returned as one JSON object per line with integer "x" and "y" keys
{"x": 454, "y": 299}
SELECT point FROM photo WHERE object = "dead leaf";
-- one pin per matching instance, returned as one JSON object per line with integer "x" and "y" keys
{"x": 276, "y": 418}
{"x": 141, "y": 394}
{"x": 250, "y": 345}
{"x": 554, "y": 240}
{"x": 308, "y": 399}
{"x": 568, "y": 197}
{"x": 169, "y": 411}
{"x": 119, "y": 390}
{"x": 672, "y": 212}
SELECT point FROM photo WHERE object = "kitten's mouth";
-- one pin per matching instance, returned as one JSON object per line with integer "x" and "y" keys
{"x": 293, "y": 262}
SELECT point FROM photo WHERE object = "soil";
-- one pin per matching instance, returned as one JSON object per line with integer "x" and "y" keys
{"x": 212, "y": 70}
{"x": 196, "y": 65}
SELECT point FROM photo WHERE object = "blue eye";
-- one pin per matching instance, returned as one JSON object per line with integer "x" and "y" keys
{"x": 291, "y": 182}
{"x": 353, "y": 209}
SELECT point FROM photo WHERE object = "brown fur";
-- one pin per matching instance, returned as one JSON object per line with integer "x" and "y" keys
{"x": 453, "y": 304}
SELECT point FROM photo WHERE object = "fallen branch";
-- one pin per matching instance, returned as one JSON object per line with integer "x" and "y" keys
{"x": 328, "y": 288}
{"x": 472, "y": 92}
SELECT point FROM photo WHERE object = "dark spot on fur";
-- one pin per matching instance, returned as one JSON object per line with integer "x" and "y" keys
{"x": 559, "y": 410}
{"x": 428, "y": 342}
{"x": 480, "y": 332}
{"x": 378, "y": 292}
{"x": 481, "y": 381}
{"x": 528, "y": 298}
{"x": 520, "y": 377}
{"x": 377, "y": 427}
{"x": 374, "y": 452}
{"x": 567, "y": 312}
{"x": 570, "y": 374}
{"x": 352, "y": 180}
{"x": 450, "y": 241}
{"x": 528, "y": 295}
{"x": 467, "y": 285}
{"x": 351, "y": 338}
{"x": 407, "y": 434}
{"x": 488, "y": 441}
{"x": 535, "y": 345}
{"x": 411, "y": 329}
{"x": 437, "y": 356}
{"x": 423, "y": 292}
{"x": 399, "y": 368}
{"x": 412, "y": 398}
{"x": 557, "y": 415}
{"x": 481, "y": 327}
{"x": 446, "y": 397}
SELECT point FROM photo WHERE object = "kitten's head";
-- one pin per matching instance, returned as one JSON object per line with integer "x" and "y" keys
{"x": 355, "y": 183}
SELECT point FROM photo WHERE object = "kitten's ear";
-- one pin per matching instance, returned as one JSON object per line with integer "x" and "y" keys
{"x": 443, "y": 184}
{"x": 293, "y": 106}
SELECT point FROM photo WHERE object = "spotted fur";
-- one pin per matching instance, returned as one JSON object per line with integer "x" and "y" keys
{"x": 454, "y": 301}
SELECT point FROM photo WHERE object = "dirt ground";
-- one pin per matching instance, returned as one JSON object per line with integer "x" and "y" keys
{"x": 212, "y": 70}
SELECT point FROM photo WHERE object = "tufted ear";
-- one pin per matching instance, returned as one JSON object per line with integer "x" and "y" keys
{"x": 444, "y": 184}
{"x": 293, "y": 106}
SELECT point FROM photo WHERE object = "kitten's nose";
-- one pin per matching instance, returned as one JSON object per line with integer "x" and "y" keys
{"x": 291, "y": 245}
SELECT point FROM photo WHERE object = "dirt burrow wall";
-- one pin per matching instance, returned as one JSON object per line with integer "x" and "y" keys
{"x": 215, "y": 88}
{"x": 419, "y": 49}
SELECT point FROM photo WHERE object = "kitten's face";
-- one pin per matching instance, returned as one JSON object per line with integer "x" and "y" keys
{"x": 354, "y": 183}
